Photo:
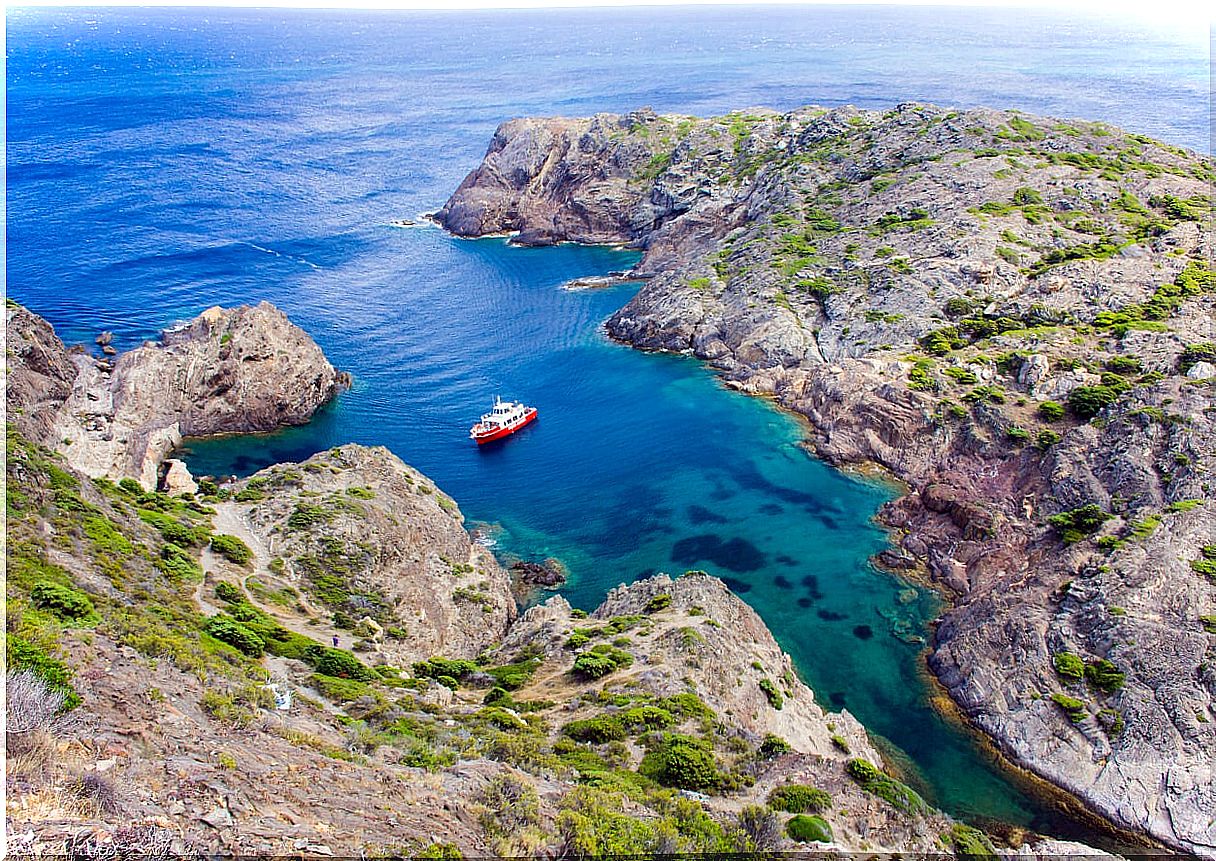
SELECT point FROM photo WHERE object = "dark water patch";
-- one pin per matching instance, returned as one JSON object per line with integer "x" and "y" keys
{"x": 837, "y": 699}
{"x": 782, "y": 582}
{"x": 786, "y": 560}
{"x": 772, "y": 509}
{"x": 805, "y": 602}
{"x": 811, "y": 583}
{"x": 831, "y": 615}
{"x": 699, "y": 514}
{"x": 739, "y": 587}
{"x": 863, "y": 632}
{"x": 736, "y": 554}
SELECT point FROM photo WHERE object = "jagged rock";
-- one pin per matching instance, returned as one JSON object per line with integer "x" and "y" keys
{"x": 548, "y": 574}
{"x": 178, "y": 479}
{"x": 104, "y": 339}
{"x": 1201, "y": 371}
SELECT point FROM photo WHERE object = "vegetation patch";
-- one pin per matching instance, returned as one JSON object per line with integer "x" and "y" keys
{"x": 895, "y": 793}
{"x": 809, "y": 829}
{"x": 799, "y": 798}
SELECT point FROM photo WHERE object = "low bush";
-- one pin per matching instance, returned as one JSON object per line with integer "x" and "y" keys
{"x": 1051, "y": 411}
{"x": 899, "y": 796}
{"x": 1073, "y": 707}
{"x": 1087, "y": 401}
{"x": 1104, "y": 675}
{"x": 232, "y": 548}
{"x": 600, "y": 661}
{"x": 970, "y": 842}
{"x": 682, "y": 762}
{"x": 596, "y": 730}
{"x": 228, "y": 630}
{"x": 809, "y": 829}
{"x": 338, "y": 663}
{"x": 1074, "y": 525}
{"x": 647, "y": 718}
{"x": 773, "y": 746}
{"x": 433, "y": 668}
{"x": 657, "y": 603}
{"x": 64, "y": 602}
{"x": 799, "y": 798}
{"x": 772, "y": 694}
{"x": 1068, "y": 666}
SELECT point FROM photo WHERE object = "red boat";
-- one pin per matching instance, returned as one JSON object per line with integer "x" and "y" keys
{"x": 506, "y": 418}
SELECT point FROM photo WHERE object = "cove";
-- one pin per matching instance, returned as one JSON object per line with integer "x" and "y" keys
{"x": 638, "y": 463}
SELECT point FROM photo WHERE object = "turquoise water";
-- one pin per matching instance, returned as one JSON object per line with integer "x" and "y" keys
{"x": 160, "y": 161}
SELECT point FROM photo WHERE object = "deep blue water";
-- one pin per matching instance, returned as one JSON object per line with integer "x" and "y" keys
{"x": 163, "y": 161}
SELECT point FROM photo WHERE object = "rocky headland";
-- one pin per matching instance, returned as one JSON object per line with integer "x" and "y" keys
{"x": 1013, "y": 316}
{"x": 237, "y": 370}
{"x": 318, "y": 661}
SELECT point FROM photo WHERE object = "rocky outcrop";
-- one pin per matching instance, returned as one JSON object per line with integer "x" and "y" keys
{"x": 234, "y": 370}
{"x": 916, "y": 282}
{"x": 40, "y": 374}
{"x": 366, "y": 539}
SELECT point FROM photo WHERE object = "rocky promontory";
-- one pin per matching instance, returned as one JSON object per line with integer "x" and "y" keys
{"x": 236, "y": 370}
{"x": 1013, "y": 315}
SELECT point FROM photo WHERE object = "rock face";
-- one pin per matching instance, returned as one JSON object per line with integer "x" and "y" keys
{"x": 916, "y": 283}
{"x": 237, "y": 370}
{"x": 359, "y": 533}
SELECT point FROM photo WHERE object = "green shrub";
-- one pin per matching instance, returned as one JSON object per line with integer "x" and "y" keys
{"x": 596, "y": 730}
{"x": 899, "y": 796}
{"x": 433, "y": 668}
{"x": 229, "y": 593}
{"x": 647, "y": 717}
{"x": 1072, "y": 707}
{"x": 178, "y": 563}
{"x": 600, "y": 661}
{"x": 809, "y": 829}
{"x": 1087, "y": 401}
{"x": 339, "y": 690}
{"x": 232, "y": 548}
{"x": 657, "y": 603}
{"x": 515, "y": 675}
{"x": 1104, "y": 675}
{"x": 1193, "y": 354}
{"x": 799, "y": 798}
{"x": 1074, "y": 525}
{"x": 1047, "y": 438}
{"x": 1017, "y": 433}
{"x": 774, "y": 696}
{"x": 338, "y": 663}
{"x": 773, "y": 746}
{"x": 63, "y": 602}
{"x": 682, "y": 762}
{"x": 1051, "y": 411}
{"x": 230, "y": 631}
{"x": 131, "y": 486}
{"x": 22, "y": 654}
{"x": 1068, "y": 666}
{"x": 970, "y": 842}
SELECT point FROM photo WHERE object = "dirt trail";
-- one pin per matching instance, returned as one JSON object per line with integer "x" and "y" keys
{"x": 230, "y": 520}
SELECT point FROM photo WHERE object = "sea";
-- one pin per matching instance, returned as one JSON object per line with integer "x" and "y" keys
{"x": 160, "y": 161}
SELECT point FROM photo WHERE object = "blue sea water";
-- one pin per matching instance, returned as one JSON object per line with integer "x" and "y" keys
{"x": 160, "y": 161}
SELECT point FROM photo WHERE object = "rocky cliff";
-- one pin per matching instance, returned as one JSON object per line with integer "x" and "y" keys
{"x": 1013, "y": 315}
{"x": 229, "y": 370}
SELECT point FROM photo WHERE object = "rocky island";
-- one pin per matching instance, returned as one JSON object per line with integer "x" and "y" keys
{"x": 1010, "y": 314}
{"x": 317, "y": 660}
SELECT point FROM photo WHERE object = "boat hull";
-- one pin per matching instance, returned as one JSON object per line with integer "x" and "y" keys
{"x": 506, "y": 431}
